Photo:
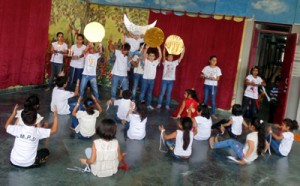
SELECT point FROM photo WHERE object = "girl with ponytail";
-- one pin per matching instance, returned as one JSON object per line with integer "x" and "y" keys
{"x": 282, "y": 144}
{"x": 182, "y": 148}
{"x": 255, "y": 143}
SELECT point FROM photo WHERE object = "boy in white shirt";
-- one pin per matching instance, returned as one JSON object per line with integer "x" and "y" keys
{"x": 58, "y": 49}
{"x": 168, "y": 78}
{"x": 89, "y": 71}
{"x": 138, "y": 71}
{"x": 119, "y": 71}
{"x": 60, "y": 96}
{"x": 150, "y": 65}
{"x": 24, "y": 153}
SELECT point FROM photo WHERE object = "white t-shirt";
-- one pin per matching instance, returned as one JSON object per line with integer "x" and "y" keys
{"x": 90, "y": 65}
{"x": 178, "y": 150}
{"x": 211, "y": 72}
{"x": 26, "y": 143}
{"x": 140, "y": 68}
{"x": 203, "y": 128}
{"x": 236, "y": 126}
{"x": 134, "y": 44}
{"x": 286, "y": 143}
{"x": 253, "y": 136}
{"x": 57, "y": 57}
{"x": 60, "y": 98}
{"x": 86, "y": 123}
{"x": 150, "y": 69}
{"x": 252, "y": 91}
{"x": 123, "y": 107}
{"x": 39, "y": 118}
{"x": 77, "y": 63}
{"x": 170, "y": 70}
{"x": 137, "y": 128}
{"x": 120, "y": 66}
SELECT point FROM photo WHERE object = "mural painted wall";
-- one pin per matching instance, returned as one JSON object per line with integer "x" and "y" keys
{"x": 71, "y": 16}
{"x": 276, "y": 11}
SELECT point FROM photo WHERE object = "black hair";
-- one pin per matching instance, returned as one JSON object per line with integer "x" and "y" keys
{"x": 292, "y": 124}
{"x": 89, "y": 106}
{"x": 142, "y": 110}
{"x": 59, "y": 33}
{"x": 151, "y": 51}
{"x": 255, "y": 67}
{"x": 126, "y": 94}
{"x": 192, "y": 93}
{"x": 141, "y": 44}
{"x": 187, "y": 125}
{"x": 107, "y": 129}
{"x": 32, "y": 101}
{"x": 205, "y": 111}
{"x": 29, "y": 116}
{"x": 82, "y": 36}
{"x": 213, "y": 56}
{"x": 237, "y": 110}
{"x": 260, "y": 128}
{"x": 61, "y": 80}
{"x": 126, "y": 47}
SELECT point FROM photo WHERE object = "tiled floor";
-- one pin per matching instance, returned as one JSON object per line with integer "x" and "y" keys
{"x": 148, "y": 166}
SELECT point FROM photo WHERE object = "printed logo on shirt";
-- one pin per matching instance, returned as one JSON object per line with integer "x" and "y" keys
{"x": 91, "y": 62}
{"x": 27, "y": 137}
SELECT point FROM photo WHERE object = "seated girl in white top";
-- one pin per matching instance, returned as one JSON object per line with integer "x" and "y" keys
{"x": 182, "y": 148}
{"x": 31, "y": 102}
{"x": 282, "y": 143}
{"x": 123, "y": 106}
{"x": 105, "y": 153}
{"x": 136, "y": 128}
{"x": 254, "y": 146}
{"x": 84, "y": 122}
{"x": 234, "y": 126}
{"x": 202, "y": 123}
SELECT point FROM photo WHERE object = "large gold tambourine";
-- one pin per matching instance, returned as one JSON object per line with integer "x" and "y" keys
{"x": 154, "y": 37}
{"x": 174, "y": 45}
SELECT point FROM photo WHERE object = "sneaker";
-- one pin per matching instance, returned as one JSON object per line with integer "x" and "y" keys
{"x": 150, "y": 107}
{"x": 158, "y": 106}
{"x": 168, "y": 107}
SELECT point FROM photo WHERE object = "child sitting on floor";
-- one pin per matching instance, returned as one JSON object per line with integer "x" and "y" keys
{"x": 202, "y": 123}
{"x": 105, "y": 154}
{"x": 84, "y": 123}
{"x": 123, "y": 106}
{"x": 24, "y": 153}
{"x": 190, "y": 102}
{"x": 282, "y": 144}
{"x": 234, "y": 126}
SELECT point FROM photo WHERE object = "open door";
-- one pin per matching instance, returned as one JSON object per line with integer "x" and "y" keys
{"x": 286, "y": 73}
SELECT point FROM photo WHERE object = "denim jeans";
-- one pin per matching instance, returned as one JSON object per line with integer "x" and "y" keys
{"x": 137, "y": 79}
{"x": 170, "y": 144}
{"x": 166, "y": 85}
{"x": 274, "y": 144}
{"x": 148, "y": 84}
{"x": 249, "y": 107}
{"x": 93, "y": 81}
{"x": 115, "y": 82}
{"x": 75, "y": 74}
{"x": 228, "y": 128}
{"x": 212, "y": 91}
{"x": 56, "y": 68}
{"x": 236, "y": 146}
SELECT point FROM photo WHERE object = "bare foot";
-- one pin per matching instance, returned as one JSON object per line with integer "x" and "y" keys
{"x": 211, "y": 142}
{"x": 216, "y": 139}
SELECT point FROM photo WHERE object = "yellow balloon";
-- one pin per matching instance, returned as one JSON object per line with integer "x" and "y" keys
{"x": 94, "y": 32}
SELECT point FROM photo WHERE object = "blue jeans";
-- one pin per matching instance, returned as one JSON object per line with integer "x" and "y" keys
{"x": 75, "y": 74}
{"x": 115, "y": 82}
{"x": 137, "y": 80}
{"x": 250, "y": 108}
{"x": 166, "y": 85}
{"x": 56, "y": 68}
{"x": 148, "y": 84}
{"x": 93, "y": 81}
{"x": 212, "y": 91}
{"x": 236, "y": 146}
{"x": 170, "y": 144}
{"x": 274, "y": 145}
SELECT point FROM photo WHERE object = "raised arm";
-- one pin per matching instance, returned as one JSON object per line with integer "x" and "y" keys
{"x": 99, "y": 108}
{"x": 145, "y": 53}
{"x": 181, "y": 55}
{"x": 110, "y": 45}
{"x": 76, "y": 92}
{"x": 164, "y": 54}
{"x": 54, "y": 127}
{"x": 74, "y": 112}
{"x": 167, "y": 136}
{"x": 159, "y": 54}
{"x": 11, "y": 117}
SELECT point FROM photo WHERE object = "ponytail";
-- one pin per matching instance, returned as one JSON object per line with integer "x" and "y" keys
{"x": 292, "y": 124}
{"x": 142, "y": 110}
{"x": 260, "y": 128}
{"x": 187, "y": 125}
